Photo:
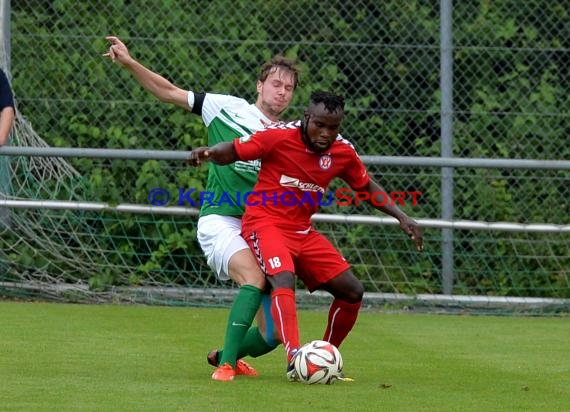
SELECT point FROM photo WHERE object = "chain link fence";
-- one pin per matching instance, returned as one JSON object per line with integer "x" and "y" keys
{"x": 510, "y": 88}
{"x": 510, "y": 78}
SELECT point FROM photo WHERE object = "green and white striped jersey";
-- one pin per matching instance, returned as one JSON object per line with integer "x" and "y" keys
{"x": 226, "y": 118}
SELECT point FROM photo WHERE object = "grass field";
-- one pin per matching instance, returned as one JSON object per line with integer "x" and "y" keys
{"x": 56, "y": 357}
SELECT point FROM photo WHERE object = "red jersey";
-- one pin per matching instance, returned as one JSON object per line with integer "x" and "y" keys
{"x": 293, "y": 180}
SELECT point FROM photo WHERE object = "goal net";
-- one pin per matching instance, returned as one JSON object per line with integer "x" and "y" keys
{"x": 55, "y": 244}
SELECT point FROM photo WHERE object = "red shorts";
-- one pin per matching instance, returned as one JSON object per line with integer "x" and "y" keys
{"x": 309, "y": 255}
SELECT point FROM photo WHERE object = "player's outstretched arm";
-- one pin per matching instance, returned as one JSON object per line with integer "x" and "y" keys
{"x": 220, "y": 154}
{"x": 157, "y": 85}
{"x": 407, "y": 224}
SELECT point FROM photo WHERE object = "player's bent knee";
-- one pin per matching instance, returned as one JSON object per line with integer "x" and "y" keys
{"x": 346, "y": 287}
{"x": 255, "y": 280}
{"x": 284, "y": 279}
{"x": 355, "y": 290}
{"x": 356, "y": 293}
{"x": 244, "y": 270}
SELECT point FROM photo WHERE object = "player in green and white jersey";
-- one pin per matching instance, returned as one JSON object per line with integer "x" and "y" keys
{"x": 219, "y": 226}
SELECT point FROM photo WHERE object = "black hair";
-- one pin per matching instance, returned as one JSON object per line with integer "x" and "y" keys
{"x": 330, "y": 100}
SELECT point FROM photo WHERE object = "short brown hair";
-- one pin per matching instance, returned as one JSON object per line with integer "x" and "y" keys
{"x": 279, "y": 62}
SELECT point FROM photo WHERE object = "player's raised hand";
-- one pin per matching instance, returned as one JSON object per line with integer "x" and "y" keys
{"x": 414, "y": 231}
{"x": 118, "y": 52}
{"x": 198, "y": 156}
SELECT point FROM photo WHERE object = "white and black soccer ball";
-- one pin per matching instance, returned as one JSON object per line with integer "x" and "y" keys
{"x": 318, "y": 362}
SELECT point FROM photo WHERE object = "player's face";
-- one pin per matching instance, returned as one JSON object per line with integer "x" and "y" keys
{"x": 275, "y": 93}
{"x": 321, "y": 127}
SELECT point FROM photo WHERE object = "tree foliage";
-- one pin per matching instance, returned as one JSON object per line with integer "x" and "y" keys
{"x": 511, "y": 92}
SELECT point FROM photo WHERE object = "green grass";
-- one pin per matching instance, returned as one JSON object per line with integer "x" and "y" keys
{"x": 56, "y": 357}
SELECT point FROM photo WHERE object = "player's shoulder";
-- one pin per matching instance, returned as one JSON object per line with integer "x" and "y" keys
{"x": 278, "y": 135}
{"x": 234, "y": 111}
{"x": 225, "y": 100}
{"x": 342, "y": 144}
{"x": 285, "y": 126}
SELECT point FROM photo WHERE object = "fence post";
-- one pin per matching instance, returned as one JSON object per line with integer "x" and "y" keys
{"x": 446, "y": 116}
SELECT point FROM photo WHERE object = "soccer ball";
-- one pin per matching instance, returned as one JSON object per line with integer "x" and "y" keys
{"x": 318, "y": 362}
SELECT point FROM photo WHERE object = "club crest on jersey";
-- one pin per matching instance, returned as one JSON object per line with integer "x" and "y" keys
{"x": 325, "y": 162}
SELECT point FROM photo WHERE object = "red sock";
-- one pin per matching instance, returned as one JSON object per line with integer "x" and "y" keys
{"x": 284, "y": 313}
{"x": 342, "y": 317}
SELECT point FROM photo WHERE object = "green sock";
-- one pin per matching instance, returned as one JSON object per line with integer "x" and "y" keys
{"x": 254, "y": 345}
{"x": 241, "y": 316}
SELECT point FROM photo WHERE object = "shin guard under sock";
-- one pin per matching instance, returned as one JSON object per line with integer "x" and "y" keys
{"x": 342, "y": 317}
{"x": 241, "y": 316}
{"x": 284, "y": 312}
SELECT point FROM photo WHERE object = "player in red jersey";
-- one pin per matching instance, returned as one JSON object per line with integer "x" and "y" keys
{"x": 298, "y": 161}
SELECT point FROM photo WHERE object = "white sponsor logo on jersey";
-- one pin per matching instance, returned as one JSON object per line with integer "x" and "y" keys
{"x": 288, "y": 181}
